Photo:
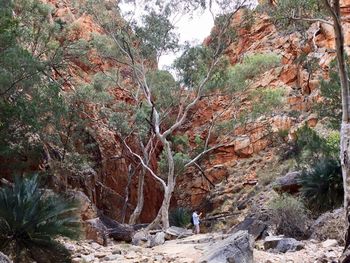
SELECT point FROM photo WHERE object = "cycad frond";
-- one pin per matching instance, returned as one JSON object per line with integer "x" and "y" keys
{"x": 30, "y": 220}
{"x": 322, "y": 186}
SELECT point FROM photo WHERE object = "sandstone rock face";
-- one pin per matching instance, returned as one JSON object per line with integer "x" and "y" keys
{"x": 87, "y": 209}
{"x": 107, "y": 188}
{"x": 236, "y": 248}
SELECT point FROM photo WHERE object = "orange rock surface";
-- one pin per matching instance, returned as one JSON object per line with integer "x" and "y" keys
{"x": 251, "y": 139}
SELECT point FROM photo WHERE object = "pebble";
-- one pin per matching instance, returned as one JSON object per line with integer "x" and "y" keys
{"x": 113, "y": 257}
{"x": 100, "y": 254}
{"x": 88, "y": 258}
{"x": 330, "y": 243}
{"x": 117, "y": 251}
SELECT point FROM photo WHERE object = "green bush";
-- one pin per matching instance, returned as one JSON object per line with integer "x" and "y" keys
{"x": 266, "y": 101}
{"x": 180, "y": 217}
{"x": 290, "y": 216}
{"x": 180, "y": 160}
{"x": 252, "y": 66}
{"x": 330, "y": 106}
{"x": 322, "y": 185}
{"x": 309, "y": 147}
{"x": 30, "y": 220}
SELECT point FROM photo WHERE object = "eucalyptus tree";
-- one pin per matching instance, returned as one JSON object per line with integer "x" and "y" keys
{"x": 42, "y": 114}
{"x": 291, "y": 11}
{"x": 158, "y": 106}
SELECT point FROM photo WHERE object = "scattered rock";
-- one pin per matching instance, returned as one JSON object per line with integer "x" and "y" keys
{"x": 95, "y": 245}
{"x": 131, "y": 255}
{"x": 101, "y": 254}
{"x": 75, "y": 260}
{"x": 288, "y": 183}
{"x": 113, "y": 257}
{"x": 117, "y": 251}
{"x": 4, "y": 258}
{"x": 157, "y": 239}
{"x": 88, "y": 258}
{"x": 282, "y": 244}
{"x": 255, "y": 227}
{"x": 158, "y": 258}
{"x": 141, "y": 238}
{"x": 177, "y": 232}
{"x": 330, "y": 225}
{"x": 236, "y": 248}
{"x": 329, "y": 243}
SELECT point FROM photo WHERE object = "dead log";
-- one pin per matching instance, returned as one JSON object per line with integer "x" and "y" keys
{"x": 116, "y": 230}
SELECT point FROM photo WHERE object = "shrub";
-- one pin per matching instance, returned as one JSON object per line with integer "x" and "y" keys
{"x": 252, "y": 66}
{"x": 180, "y": 217}
{"x": 309, "y": 147}
{"x": 289, "y": 216}
{"x": 322, "y": 185}
{"x": 30, "y": 220}
{"x": 330, "y": 106}
{"x": 180, "y": 159}
{"x": 266, "y": 101}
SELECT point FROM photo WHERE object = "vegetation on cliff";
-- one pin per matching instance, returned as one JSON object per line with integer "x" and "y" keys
{"x": 63, "y": 91}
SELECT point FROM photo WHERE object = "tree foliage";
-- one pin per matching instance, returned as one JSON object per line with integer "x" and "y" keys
{"x": 38, "y": 120}
{"x": 330, "y": 105}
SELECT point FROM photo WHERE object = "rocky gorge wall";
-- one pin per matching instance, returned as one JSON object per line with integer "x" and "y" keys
{"x": 107, "y": 186}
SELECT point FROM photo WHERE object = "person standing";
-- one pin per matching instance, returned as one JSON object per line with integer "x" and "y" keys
{"x": 195, "y": 219}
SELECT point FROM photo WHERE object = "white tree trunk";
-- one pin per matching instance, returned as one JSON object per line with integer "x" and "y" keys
{"x": 334, "y": 10}
{"x": 140, "y": 199}
{"x": 345, "y": 164}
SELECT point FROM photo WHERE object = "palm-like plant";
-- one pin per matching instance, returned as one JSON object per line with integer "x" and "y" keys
{"x": 322, "y": 186}
{"x": 180, "y": 217}
{"x": 31, "y": 219}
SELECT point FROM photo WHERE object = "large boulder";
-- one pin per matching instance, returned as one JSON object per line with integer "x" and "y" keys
{"x": 255, "y": 227}
{"x": 288, "y": 183}
{"x": 95, "y": 230}
{"x": 143, "y": 238}
{"x": 237, "y": 248}
{"x": 157, "y": 239}
{"x": 282, "y": 244}
{"x": 175, "y": 232}
{"x": 87, "y": 209}
{"x": 4, "y": 258}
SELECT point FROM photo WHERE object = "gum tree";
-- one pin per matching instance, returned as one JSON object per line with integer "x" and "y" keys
{"x": 320, "y": 12}
{"x": 159, "y": 106}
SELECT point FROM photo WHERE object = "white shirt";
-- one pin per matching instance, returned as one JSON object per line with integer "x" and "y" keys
{"x": 195, "y": 218}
